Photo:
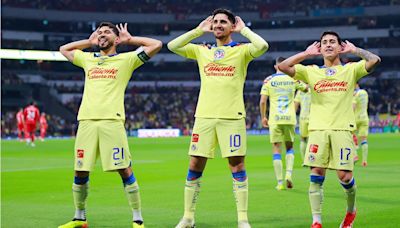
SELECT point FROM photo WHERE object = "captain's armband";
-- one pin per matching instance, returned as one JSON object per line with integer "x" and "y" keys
{"x": 142, "y": 54}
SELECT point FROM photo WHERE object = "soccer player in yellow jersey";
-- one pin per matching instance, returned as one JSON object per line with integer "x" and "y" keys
{"x": 360, "y": 105}
{"x": 303, "y": 100}
{"x": 101, "y": 115}
{"x": 220, "y": 113}
{"x": 330, "y": 144}
{"x": 280, "y": 89}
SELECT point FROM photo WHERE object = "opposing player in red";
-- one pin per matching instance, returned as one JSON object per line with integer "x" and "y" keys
{"x": 20, "y": 123}
{"x": 31, "y": 114}
{"x": 43, "y": 126}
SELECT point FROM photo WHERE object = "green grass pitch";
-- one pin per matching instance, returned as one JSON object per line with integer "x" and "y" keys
{"x": 36, "y": 187}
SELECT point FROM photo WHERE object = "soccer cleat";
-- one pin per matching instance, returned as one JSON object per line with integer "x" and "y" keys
{"x": 355, "y": 159}
{"x": 75, "y": 224}
{"x": 186, "y": 223}
{"x": 316, "y": 225}
{"x": 364, "y": 164}
{"x": 280, "y": 187}
{"x": 348, "y": 220}
{"x": 243, "y": 224}
{"x": 137, "y": 224}
{"x": 289, "y": 184}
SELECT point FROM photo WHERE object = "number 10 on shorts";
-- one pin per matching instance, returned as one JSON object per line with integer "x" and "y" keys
{"x": 234, "y": 141}
{"x": 118, "y": 153}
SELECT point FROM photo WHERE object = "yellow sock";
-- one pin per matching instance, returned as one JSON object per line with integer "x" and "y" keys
{"x": 278, "y": 167}
{"x": 316, "y": 196}
{"x": 241, "y": 193}
{"x": 350, "y": 190}
{"x": 303, "y": 145}
{"x": 364, "y": 147}
{"x": 289, "y": 166}
{"x": 80, "y": 193}
{"x": 133, "y": 195}
{"x": 192, "y": 190}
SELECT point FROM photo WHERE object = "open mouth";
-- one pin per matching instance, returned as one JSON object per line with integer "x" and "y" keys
{"x": 102, "y": 41}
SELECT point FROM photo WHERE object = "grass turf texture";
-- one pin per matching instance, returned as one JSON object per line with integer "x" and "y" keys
{"x": 36, "y": 187}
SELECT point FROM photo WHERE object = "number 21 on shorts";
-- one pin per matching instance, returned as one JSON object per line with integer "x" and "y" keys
{"x": 118, "y": 153}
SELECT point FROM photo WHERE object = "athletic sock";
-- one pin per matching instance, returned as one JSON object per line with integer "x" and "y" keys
{"x": 277, "y": 161}
{"x": 316, "y": 196}
{"x": 132, "y": 193}
{"x": 80, "y": 192}
{"x": 350, "y": 190}
{"x": 289, "y": 163}
{"x": 364, "y": 148}
{"x": 192, "y": 190}
{"x": 241, "y": 193}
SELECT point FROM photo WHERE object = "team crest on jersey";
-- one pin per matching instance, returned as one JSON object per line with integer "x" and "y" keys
{"x": 219, "y": 54}
{"x": 330, "y": 72}
{"x": 311, "y": 158}
{"x": 79, "y": 164}
{"x": 194, "y": 147}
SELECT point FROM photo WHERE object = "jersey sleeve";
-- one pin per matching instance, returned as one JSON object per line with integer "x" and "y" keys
{"x": 301, "y": 86}
{"x": 134, "y": 59}
{"x": 297, "y": 97}
{"x": 247, "y": 52}
{"x": 359, "y": 69}
{"x": 264, "y": 89}
{"x": 79, "y": 59}
{"x": 355, "y": 99}
{"x": 301, "y": 73}
{"x": 188, "y": 51}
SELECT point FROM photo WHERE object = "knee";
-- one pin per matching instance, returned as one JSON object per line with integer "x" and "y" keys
{"x": 345, "y": 177}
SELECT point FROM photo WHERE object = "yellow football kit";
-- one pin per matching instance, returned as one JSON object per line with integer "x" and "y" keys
{"x": 332, "y": 119}
{"x": 223, "y": 71}
{"x": 101, "y": 114}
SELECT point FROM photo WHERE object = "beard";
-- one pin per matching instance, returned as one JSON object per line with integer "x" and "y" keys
{"x": 103, "y": 48}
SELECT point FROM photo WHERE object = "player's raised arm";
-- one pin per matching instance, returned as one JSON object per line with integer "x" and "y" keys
{"x": 150, "y": 46}
{"x": 287, "y": 66}
{"x": 258, "y": 45}
{"x": 371, "y": 60}
{"x": 68, "y": 50}
{"x": 178, "y": 44}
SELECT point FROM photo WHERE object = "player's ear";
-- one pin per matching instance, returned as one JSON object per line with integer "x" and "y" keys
{"x": 117, "y": 40}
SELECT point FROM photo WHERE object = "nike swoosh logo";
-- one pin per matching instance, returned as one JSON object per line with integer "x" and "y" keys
{"x": 117, "y": 163}
{"x": 343, "y": 163}
{"x": 233, "y": 150}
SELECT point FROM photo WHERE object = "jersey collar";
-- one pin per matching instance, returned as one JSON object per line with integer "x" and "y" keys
{"x": 231, "y": 44}
{"x": 97, "y": 55}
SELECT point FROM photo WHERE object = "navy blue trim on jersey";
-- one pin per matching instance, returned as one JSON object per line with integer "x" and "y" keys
{"x": 323, "y": 66}
{"x": 232, "y": 44}
{"x": 97, "y": 55}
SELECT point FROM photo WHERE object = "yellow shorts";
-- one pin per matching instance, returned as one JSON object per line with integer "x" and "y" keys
{"x": 362, "y": 128}
{"x": 281, "y": 133}
{"x": 303, "y": 127}
{"x": 105, "y": 137}
{"x": 230, "y": 134}
{"x": 330, "y": 149}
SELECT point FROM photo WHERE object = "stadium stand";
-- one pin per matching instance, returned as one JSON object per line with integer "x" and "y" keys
{"x": 163, "y": 93}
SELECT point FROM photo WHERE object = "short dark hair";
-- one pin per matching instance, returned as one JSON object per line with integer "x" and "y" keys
{"x": 279, "y": 60}
{"x": 110, "y": 25}
{"x": 329, "y": 32}
{"x": 231, "y": 16}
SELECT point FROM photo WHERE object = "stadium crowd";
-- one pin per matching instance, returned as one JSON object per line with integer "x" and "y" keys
{"x": 189, "y": 6}
{"x": 174, "y": 107}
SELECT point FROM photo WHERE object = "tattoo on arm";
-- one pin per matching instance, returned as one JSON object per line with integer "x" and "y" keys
{"x": 364, "y": 54}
